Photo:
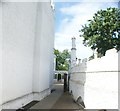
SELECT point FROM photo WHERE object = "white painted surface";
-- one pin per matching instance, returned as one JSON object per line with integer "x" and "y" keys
{"x": 18, "y": 48}
{"x": 73, "y": 53}
{"x": 19, "y": 102}
{"x": 77, "y": 85}
{"x": 73, "y": 42}
{"x": 28, "y": 40}
{"x": 54, "y": 63}
{"x": 43, "y": 64}
{"x": 26, "y": 1}
{"x": 101, "y": 90}
{"x": 119, "y": 80}
{"x": 0, "y": 54}
{"x": 97, "y": 82}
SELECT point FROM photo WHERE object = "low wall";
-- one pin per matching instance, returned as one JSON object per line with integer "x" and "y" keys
{"x": 77, "y": 80}
{"x": 101, "y": 90}
{"x": 96, "y": 81}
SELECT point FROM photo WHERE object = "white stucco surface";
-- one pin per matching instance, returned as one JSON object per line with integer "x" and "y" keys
{"x": 26, "y": 52}
{"x": 119, "y": 80}
{"x": 18, "y": 48}
{"x": 0, "y": 54}
{"x": 101, "y": 90}
{"x": 97, "y": 82}
{"x": 44, "y": 44}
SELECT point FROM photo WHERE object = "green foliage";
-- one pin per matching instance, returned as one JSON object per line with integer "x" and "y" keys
{"x": 62, "y": 59}
{"x": 91, "y": 57}
{"x": 100, "y": 32}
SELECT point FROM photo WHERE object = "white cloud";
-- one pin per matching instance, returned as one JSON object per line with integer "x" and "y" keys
{"x": 82, "y": 51}
{"x": 64, "y": 42}
{"x": 80, "y": 8}
{"x": 76, "y": 16}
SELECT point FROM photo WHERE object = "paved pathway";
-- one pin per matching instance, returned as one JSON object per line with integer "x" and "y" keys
{"x": 57, "y": 100}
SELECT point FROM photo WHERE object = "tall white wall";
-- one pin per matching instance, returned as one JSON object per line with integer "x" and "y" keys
{"x": 97, "y": 82}
{"x": 27, "y": 52}
{"x": 119, "y": 79}
{"x": 0, "y": 54}
{"x": 44, "y": 43}
{"x": 18, "y": 47}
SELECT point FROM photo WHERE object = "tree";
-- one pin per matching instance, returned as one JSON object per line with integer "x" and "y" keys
{"x": 62, "y": 59}
{"x": 91, "y": 57}
{"x": 103, "y": 31}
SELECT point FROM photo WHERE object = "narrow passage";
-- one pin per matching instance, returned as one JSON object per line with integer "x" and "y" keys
{"x": 57, "y": 100}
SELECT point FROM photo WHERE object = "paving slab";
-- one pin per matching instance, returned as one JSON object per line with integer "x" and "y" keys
{"x": 51, "y": 99}
{"x": 66, "y": 102}
{"x": 57, "y": 100}
{"x": 60, "y": 101}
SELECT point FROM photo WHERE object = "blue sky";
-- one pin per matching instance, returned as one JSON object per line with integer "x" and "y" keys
{"x": 58, "y": 15}
{"x": 69, "y": 17}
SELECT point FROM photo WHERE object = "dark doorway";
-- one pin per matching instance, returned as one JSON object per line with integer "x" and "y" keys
{"x": 65, "y": 83}
{"x": 59, "y": 77}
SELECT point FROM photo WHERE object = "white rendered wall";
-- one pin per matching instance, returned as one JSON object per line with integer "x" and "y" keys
{"x": 97, "y": 83}
{"x": 101, "y": 90}
{"x": 43, "y": 64}
{"x": 0, "y": 55}
{"x": 18, "y": 48}
{"x": 101, "y": 85}
{"x": 119, "y": 80}
{"x": 77, "y": 80}
{"x": 28, "y": 40}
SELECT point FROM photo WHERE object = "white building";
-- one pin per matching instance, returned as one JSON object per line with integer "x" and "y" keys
{"x": 26, "y": 52}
